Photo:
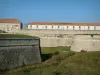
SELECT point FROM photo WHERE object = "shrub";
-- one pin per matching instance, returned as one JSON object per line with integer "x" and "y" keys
{"x": 91, "y": 35}
{"x": 56, "y": 53}
{"x": 71, "y": 53}
{"x": 83, "y": 50}
{"x": 26, "y": 70}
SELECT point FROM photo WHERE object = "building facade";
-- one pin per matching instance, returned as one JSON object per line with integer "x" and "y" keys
{"x": 63, "y": 26}
{"x": 10, "y": 25}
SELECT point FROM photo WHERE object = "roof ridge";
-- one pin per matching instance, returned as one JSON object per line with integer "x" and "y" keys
{"x": 9, "y": 20}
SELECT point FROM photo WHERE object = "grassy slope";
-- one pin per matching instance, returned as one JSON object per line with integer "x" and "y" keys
{"x": 15, "y": 36}
{"x": 66, "y": 63}
{"x": 46, "y": 50}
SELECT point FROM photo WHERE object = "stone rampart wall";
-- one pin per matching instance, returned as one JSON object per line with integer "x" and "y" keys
{"x": 19, "y": 52}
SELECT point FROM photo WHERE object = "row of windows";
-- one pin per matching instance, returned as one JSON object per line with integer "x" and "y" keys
{"x": 37, "y": 26}
{"x": 58, "y": 26}
{"x": 64, "y": 27}
{"x": 53, "y": 26}
{"x": 9, "y": 27}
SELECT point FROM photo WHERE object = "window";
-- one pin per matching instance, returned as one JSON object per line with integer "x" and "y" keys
{"x": 36, "y": 26}
{"x": 30, "y": 26}
{"x": 91, "y": 28}
{"x": 58, "y": 26}
{"x": 46, "y": 27}
{"x": 88, "y": 27}
{"x": 67, "y": 27}
{"x": 52, "y": 26}
{"x": 94, "y": 27}
{"x": 79, "y": 27}
{"x": 73, "y": 27}
{"x": 16, "y": 25}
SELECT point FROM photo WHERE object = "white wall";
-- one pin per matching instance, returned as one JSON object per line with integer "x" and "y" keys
{"x": 82, "y": 28}
{"x": 91, "y": 27}
{"x": 97, "y": 27}
{"x": 9, "y": 26}
{"x": 49, "y": 27}
{"x": 29, "y": 26}
{"x": 58, "y": 27}
{"x": 70, "y": 27}
{"x": 55, "y": 27}
{"x": 86, "y": 28}
{"x": 76, "y": 28}
{"x": 65, "y": 27}
{"x": 40, "y": 27}
{"x": 14, "y": 26}
{"x": 34, "y": 26}
{"x": 43, "y": 26}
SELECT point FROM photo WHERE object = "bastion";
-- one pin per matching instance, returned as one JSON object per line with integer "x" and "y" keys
{"x": 18, "y": 52}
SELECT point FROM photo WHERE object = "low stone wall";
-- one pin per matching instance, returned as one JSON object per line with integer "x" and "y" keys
{"x": 19, "y": 52}
{"x": 77, "y": 43}
{"x": 42, "y": 33}
{"x": 86, "y": 43}
{"x": 55, "y": 42}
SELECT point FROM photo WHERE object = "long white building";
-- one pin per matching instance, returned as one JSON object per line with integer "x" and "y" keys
{"x": 10, "y": 24}
{"x": 63, "y": 26}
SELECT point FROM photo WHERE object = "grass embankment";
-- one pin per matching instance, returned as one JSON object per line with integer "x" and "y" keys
{"x": 15, "y": 36}
{"x": 65, "y": 63}
{"x": 47, "y": 50}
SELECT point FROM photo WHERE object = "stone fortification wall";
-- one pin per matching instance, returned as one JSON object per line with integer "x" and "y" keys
{"x": 42, "y": 33}
{"x": 55, "y": 42}
{"x": 86, "y": 43}
{"x": 76, "y": 39}
{"x": 19, "y": 52}
{"x": 77, "y": 43}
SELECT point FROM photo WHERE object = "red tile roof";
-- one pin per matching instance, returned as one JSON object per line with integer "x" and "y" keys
{"x": 12, "y": 20}
{"x": 43, "y": 23}
{"x": 59, "y": 23}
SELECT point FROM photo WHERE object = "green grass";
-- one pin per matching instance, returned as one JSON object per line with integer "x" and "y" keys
{"x": 65, "y": 63}
{"x": 46, "y": 50}
{"x": 15, "y": 36}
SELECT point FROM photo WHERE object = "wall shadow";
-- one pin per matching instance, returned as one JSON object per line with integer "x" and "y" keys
{"x": 45, "y": 57}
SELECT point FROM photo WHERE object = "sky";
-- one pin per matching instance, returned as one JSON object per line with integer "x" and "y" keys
{"x": 51, "y": 10}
